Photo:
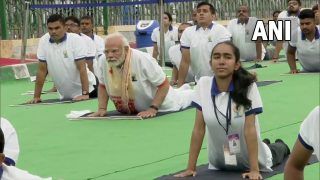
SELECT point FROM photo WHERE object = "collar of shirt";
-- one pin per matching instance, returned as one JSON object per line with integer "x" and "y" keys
{"x": 292, "y": 14}
{"x": 61, "y": 40}
{"x": 170, "y": 28}
{"x": 316, "y": 35}
{"x": 245, "y": 22}
{"x": 215, "y": 90}
{"x": 209, "y": 27}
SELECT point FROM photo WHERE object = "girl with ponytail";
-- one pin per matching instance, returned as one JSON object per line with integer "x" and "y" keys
{"x": 227, "y": 108}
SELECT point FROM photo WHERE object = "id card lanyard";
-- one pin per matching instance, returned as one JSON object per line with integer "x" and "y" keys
{"x": 227, "y": 116}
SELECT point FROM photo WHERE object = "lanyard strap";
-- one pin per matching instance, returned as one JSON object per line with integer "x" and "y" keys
{"x": 227, "y": 116}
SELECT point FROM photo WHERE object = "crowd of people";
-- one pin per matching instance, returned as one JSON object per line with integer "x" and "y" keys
{"x": 82, "y": 66}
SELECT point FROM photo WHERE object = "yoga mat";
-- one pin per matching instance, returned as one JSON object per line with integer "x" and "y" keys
{"x": 203, "y": 173}
{"x": 32, "y": 92}
{"x": 301, "y": 73}
{"x": 267, "y": 82}
{"x": 255, "y": 66}
{"x": 115, "y": 115}
{"x": 49, "y": 102}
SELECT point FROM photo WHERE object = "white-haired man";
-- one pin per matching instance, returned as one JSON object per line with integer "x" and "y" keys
{"x": 135, "y": 82}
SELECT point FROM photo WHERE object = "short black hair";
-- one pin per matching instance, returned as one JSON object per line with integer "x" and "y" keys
{"x": 306, "y": 13}
{"x": 87, "y": 18}
{"x": 1, "y": 140}
{"x": 169, "y": 16}
{"x": 315, "y": 7}
{"x": 275, "y": 12}
{"x": 73, "y": 19}
{"x": 212, "y": 9}
{"x": 55, "y": 17}
{"x": 299, "y": 2}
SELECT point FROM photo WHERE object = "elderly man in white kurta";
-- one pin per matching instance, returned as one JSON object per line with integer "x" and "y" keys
{"x": 135, "y": 82}
{"x": 241, "y": 29}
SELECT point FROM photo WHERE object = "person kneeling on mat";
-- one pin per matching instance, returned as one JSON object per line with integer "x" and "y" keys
{"x": 135, "y": 82}
{"x": 227, "y": 105}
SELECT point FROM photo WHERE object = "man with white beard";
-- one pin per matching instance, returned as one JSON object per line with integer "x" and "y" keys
{"x": 135, "y": 82}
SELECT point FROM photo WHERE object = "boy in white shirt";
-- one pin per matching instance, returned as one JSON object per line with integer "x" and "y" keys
{"x": 175, "y": 58}
{"x": 62, "y": 56}
{"x": 198, "y": 41}
{"x": 12, "y": 172}
{"x": 306, "y": 44}
{"x": 306, "y": 144}
{"x": 11, "y": 148}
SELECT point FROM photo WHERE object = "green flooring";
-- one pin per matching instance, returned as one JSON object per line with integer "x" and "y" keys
{"x": 53, "y": 146}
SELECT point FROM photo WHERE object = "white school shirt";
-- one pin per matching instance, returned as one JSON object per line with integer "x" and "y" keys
{"x": 170, "y": 37}
{"x": 11, "y": 146}
{"x": 14, "y": 173}
{"x": 90, "y": 46}
{"x": 241, "y": 37}
{"x": 309, "y": 132}
{"x": 175, "y": 56}
{"x": 60, "y": 59}
{"x": 295, "y": 23}
{"x": 100, "y": 46}
{"x": 201, "y": 42}
{"x": 147, "y": 75}
{"x": 216, "y": 135}
{"x": 308, "y": 52}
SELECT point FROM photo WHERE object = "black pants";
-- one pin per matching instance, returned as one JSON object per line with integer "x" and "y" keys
{"x": 94, "y": 93}
{"x": 280, "y": 151}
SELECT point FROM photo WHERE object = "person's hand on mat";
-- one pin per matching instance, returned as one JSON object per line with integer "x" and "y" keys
{"x": 151, "y": 112}
{"x": 294, "y": 71}
{"x": 275, "y": 58}
{"x": 80, "y": 98}
{"x": 254, "y": 175}
{"x": 101, "y": 112}
{"x": 186, "y": 173}
{"x": 34, "y": 100}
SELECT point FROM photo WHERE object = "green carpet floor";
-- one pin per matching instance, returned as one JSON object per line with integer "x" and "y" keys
{"x": 53, "y": 146}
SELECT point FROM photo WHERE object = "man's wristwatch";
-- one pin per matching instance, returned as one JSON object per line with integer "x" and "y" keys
{"x": 85, "y": 93}
{"x": 154, "y": 107}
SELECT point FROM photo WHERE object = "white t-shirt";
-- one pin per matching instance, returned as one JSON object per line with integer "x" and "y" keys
{"x": 175, "y": 58}
{"x": 90, "y": 45}
{"x": 11, "y": 146}
{"x": 60, "y": 59}
{"x": 309, "y": 132}
{"x": 308, "y": 52}
{"x": 241, "y": 37}
{"x": 200, "y": 42}
{"x": 13, "y": 173}
{"x": 295, "y": 23}
{"x": 170, "y": 37}
{"x": 207, "y": 89}
{"x": 148, "y": 75}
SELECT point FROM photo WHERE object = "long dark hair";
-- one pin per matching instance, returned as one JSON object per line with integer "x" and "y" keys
{"x": 241, "y": 78}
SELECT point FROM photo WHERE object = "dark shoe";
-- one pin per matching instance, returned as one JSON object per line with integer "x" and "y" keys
{"x": 266, "y": 141}
{"x": 280, "y": 141}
